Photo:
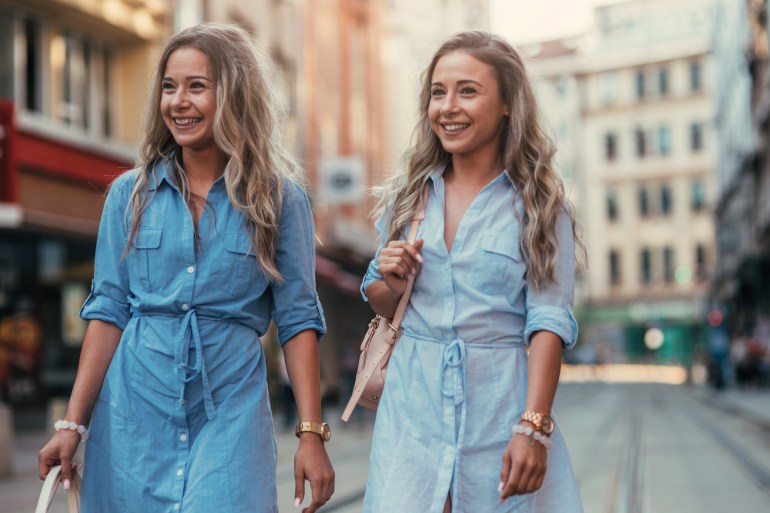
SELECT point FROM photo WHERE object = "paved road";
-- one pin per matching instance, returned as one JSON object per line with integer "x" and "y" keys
{"x": 638, "y": 448}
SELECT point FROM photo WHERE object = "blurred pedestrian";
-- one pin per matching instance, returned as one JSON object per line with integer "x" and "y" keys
{"x": 465, "y": 422}
{"x": 199, "y": 248}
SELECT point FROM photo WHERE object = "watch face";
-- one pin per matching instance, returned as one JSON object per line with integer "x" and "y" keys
{"x": 547, "y": 425}
{"x": 326, "y": 432}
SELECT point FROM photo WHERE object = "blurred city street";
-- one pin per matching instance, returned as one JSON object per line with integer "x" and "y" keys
{"x": 635, "y": 448}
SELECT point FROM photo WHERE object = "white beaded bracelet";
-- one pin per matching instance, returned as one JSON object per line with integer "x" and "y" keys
{"x": 533, "y": 435}
{"x": 66, "y": 424}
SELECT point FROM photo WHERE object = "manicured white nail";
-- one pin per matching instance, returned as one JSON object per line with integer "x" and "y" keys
{"x": 419, "y": 258}
{"x": 296, "y": 502}
{"x": 66, "y": 484}
{"x": 500, "y": 487}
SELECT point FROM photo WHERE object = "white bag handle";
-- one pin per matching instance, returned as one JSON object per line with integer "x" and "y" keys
{"x": 49, "y": 489}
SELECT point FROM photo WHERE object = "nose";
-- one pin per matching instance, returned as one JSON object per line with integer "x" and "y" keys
{"x": 179, "y": 99}
{"x": 449, "y": 105}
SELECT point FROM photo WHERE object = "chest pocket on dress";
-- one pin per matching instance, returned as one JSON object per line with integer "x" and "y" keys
{"x": 238, "y": 264}
{"x": 145, "y": 262}
{"x": 500, "y": 266}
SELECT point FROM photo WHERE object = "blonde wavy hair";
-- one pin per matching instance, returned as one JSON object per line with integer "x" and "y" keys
{"x": 525, "y": 151}
{"x": 246, "y": 129}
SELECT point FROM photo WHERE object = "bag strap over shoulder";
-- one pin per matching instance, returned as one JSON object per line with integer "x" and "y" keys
{"x": 404, "y": 301}
{"x": 50, "y": 486}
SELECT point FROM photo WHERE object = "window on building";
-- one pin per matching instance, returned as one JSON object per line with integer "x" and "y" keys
{"x": 666, "y": 200}
{"x": 663, "y": 81}
{"x": 641, "y": 142}
{"x": 644, "y": 202}
{"x": 640, "y": 84}
{"x": 32, "y": 90}
{"x": 664, "y": 140}
{"x": 611, "y": 146}
{"x": 668, "y": 264}
{"x": 612, "y": 205}
{"x": 696, "y": 137}
{"x": 614, "y": 267}
{"x": 609, "y": 87}
{"x": 696, "y": 76}
{"x": 698, "y": 195}
{"x": 7, "y": 70}
{"x": 700, "y": 262}
{"x": 645, "y": 271}
{"x": 85, "y": 84}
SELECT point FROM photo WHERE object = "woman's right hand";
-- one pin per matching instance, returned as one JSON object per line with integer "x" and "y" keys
{"x": 59, "y": 451}
{"x": 397, "y": 261}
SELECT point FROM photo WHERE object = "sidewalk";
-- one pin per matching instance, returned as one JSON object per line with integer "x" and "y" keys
{"x": 348, "y": 450}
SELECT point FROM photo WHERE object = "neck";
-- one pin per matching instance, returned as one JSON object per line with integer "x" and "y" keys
{"x": 203, "y": 167}
{"x": 477, "y": 171}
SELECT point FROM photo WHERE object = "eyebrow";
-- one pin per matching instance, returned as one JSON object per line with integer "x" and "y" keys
{"x": 193, "y": 77}
{"x": 459, "y": 82}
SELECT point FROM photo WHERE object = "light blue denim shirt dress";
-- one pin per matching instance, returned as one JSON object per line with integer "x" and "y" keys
{"x": 183, "y": 420}
{"x": 457, "y": 377}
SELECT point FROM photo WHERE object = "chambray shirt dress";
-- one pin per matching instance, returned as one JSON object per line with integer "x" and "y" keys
{"x": 183, "y": 420}
{"x": 457, "y": 377}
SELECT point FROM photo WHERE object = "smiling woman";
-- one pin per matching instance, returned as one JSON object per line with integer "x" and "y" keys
{"x": 200, "y": 248}
{"x": 465, "y": 423}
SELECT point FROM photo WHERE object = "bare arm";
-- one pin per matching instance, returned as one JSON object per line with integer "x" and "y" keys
{"x": 524, "y": 465}
{"x": 99, "y": 346}
{"x": 397, "y": 260}
{"x": 311, "y": 461}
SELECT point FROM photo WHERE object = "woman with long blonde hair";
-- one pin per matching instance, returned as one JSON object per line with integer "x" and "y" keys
{"x": 465, "y": 422}
{"x": 199, "y": 248}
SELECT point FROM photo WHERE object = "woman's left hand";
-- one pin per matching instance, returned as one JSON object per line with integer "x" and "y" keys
{"x": 524, "y": 467}
{"x": 312, "y": 463}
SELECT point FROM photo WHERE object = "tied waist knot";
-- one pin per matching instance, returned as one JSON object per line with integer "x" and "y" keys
{"x": 452, "y": 383}
{"x": 188, "y": 334}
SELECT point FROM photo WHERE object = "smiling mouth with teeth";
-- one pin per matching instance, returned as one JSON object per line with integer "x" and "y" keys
{"x": 187, "y": 121}
{"x": 455, "y": 127}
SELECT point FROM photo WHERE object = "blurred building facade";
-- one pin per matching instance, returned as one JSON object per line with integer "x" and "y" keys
{"x": 72, "y": 80}
{"x": 742, "y": 281}
{"x": 640, "y": 154}
{"x": 349, "y": 70}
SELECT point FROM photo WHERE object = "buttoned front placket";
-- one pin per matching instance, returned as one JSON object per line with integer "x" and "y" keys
{"x": 188, "y": 339}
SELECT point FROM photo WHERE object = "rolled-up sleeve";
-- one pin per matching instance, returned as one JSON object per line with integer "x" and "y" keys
{"x": 550, "y": 308}
{"x": 108, "y": 300}
{"x": 372, "y": 272}
{"x": 296, "y": 306}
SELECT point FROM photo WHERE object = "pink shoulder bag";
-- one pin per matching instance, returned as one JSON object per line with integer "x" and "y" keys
{"x": 378, "y": 344}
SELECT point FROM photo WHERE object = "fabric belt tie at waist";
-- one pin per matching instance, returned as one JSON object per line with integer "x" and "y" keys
{"x": 453, "y": 357}
{"x": 182, "y": 368}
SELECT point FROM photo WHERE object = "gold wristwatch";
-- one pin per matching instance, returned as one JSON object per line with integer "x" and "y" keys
{"x": 542, "y": 422}
{"x": 321, "y": 429}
